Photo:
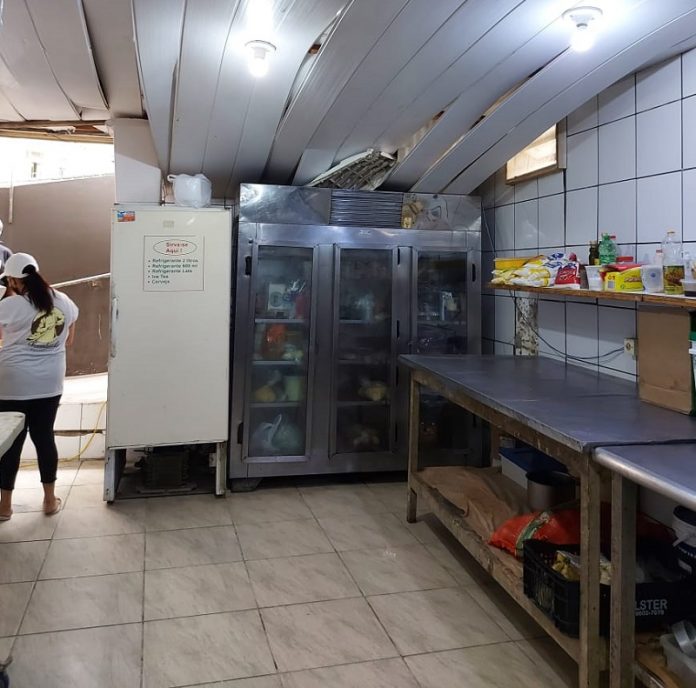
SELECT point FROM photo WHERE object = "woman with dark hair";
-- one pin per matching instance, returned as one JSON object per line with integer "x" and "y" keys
{"x": 37, "y": 324}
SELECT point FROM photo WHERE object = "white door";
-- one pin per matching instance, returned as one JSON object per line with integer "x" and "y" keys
{"x": 170, "y": 326}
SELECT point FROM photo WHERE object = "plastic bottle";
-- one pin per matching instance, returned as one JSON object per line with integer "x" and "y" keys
{"x": 593, "y": 258}
{"x": 672, "y": 263}
{"x": 608, "y": 251}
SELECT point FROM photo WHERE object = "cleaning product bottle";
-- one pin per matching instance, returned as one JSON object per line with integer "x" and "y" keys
{"x": 672, "y": 263}
{"x": 608, "y": 251}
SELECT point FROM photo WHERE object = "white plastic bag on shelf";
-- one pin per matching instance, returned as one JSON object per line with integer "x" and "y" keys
{"x": 193, "y": 192}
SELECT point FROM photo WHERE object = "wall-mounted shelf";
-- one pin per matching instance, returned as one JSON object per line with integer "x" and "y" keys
{"x": 684, "y": 302}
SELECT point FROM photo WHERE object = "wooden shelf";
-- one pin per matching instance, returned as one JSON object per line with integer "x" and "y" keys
{"x": 685, "y": 302}
{"x": 504, "y": 568}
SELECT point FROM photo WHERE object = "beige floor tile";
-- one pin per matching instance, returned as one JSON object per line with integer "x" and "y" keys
{"x": 82, "y": 496}
{"x": 29, "y": 499}
{"x": 30, "y": 476}
{"x": 396, "y": 569}
{"x": 266, "y": 506}
{"x": 308, "y": 578}
{"x": 392, "y": 495}
{"x": 282, "y": 539}
{"x": 27, "y": 527}
{"x": 120, "y": 518}
{"x": 5, "y": 648}
{"x": 196, "y": 511}
{"x": 502, "y": 609}
{"x": 459, "y": 563}
{"x": 13, "y": 601}
{"x": 199, "y": 649}
{"x": 90, "y": 473}
{"x": 90, "y": 658}
{"x": 488, "y": 666}
{"x": 213, "y": 545}
{"x": 258, "y": 682}
{"x": 95, "y": 556}
{"x": 308, "y": 636}
{"x": 21, "y": 561}
{"x": 558, "y": 669}
{"x": 68, "y": 603}
{"x": 366, "y": 531}
{"x": 384, "y": 673}
{"x": 194, "y": 590}
{"x": 434, "y": 620}
{"x": 422, "y": 530}
{"x": 337, "y": 501}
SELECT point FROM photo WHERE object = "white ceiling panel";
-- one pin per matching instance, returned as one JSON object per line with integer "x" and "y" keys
{"x": 7, "y": 111}
{"x": 295, "y": 33}
{"x": 560, "y": 88}
{"x": 207, "y": 25}
{"x": 158, "y": 27}
{"x": 360, "y": 26}
{"x": 61, "y": 27}
{"x": 427, "y": 66}
{"x": 110, "y": 26}
{"x": 26, "y": 78}
{"x": 411, "y": 29}
{"x": 515, "y": 48}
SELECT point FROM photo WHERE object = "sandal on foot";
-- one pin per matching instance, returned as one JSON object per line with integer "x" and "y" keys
{"x": 6, "y": 518}
{"x": 56, "y": 508}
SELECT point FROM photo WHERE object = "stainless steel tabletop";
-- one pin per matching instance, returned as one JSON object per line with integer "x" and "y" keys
{"x": 576, "y": 407}
{"x": 667, "y": 469}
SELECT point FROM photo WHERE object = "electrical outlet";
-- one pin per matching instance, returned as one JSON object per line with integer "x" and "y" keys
{"x": 631, "y": 346}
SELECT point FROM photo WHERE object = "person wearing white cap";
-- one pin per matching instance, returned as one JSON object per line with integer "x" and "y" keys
{"x": 37, "y": 324}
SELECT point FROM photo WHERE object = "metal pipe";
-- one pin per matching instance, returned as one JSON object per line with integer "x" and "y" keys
{"x": 82, "y": 280}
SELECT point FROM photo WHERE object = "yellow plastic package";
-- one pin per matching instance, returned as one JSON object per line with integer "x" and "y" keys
{"x": 628, "y": 280}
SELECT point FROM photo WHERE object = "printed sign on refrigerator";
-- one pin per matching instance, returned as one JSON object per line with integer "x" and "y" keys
{"x": 173, "y": 263}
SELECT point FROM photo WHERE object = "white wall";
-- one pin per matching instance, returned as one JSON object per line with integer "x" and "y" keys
{"x": 631, "y": 171}
{"x": 138, "y": 176}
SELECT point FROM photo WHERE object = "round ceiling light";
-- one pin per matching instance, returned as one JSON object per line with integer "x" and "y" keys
{"x": 258, "y": 55}
{"x": 585, "y": 20}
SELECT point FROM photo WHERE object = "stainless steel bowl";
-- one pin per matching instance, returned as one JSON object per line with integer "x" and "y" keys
{"x": 547, "y": 489}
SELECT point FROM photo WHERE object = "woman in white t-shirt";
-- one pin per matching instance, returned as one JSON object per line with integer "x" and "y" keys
{"x": 37, "y": 324}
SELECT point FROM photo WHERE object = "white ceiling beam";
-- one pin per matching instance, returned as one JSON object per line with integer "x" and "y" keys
{"x": 409, "y": 31}
{"x": 7, "y": 111}
{"x": 26, "y": 78}
{"x": 158, "y": 27}
{"x": 359, "y": 27}
{"x": 568, "y": 82}
{"x": 110, "y": 27}
{"x": 62, "y": 30}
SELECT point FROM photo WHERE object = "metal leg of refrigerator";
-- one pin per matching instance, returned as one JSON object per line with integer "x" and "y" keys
{"x": 113, "y": 470}
{"x": 221, "y": 469}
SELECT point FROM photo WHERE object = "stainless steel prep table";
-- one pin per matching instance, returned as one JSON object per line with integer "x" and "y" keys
{"x": 669, "y": 470}
{"x": 565, "y": 412}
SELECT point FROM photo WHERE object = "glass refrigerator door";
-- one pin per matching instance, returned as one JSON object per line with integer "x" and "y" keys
{"x": 364, "y": 348}
{"x": 279, "y": 376}
{"x": 440, "y": 320}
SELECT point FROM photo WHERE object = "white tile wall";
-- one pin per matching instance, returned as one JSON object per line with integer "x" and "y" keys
{"x": 505, "y": 319}
{"x": 552, "y": 333}
{"x": 618, "y": 100}
{"x": 585, "y": 117}
{"x": 689, "y": 205}
{"x": 615, "y": 325}
{"x": 551, "y": 184}
{"x": 552, "y": 221}
{"x": 581, "y": 216}
{"x": 659, "y": 84}
{"x": 524, "y": 191}
{"x": 617, "y": 151}
{"x": 582, "y": 160}
{"x": 689, "y": 131}
{"x": 659, "y": 206}
{"x": 689, "y": 74}
{"x": 527, "y": 225}
{"x": 617, "y": 210}
{"x": 505, "y": 228}
{"x": 504, "y": 193}
{"x": 659, "y": 140}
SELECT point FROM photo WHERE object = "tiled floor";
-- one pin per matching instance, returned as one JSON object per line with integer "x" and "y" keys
{"x": 310, "y": 587}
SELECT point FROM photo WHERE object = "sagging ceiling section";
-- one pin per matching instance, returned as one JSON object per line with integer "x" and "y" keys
{"x": 407, "y": 77}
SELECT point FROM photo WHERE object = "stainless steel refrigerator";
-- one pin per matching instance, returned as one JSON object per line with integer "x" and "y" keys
{"x": 331, "y": 286}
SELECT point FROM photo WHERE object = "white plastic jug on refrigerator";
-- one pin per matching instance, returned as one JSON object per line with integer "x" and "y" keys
{"x": 170, "y": 332}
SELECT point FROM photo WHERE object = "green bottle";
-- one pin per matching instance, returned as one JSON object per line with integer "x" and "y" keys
{"x": 608, "y": 252}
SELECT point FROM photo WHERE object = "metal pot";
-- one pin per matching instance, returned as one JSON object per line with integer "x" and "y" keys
{"x": 546, "y": 489}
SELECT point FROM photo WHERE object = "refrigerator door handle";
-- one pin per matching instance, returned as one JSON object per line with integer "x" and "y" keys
{"x": 114, "y": 319}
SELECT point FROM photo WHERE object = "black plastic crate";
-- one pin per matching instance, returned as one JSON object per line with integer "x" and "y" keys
{"x": 657, "y": 604}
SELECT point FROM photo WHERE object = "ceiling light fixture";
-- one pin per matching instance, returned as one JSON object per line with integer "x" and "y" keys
{"x": 585, "y": 20}
{"x": 258, "y": 54}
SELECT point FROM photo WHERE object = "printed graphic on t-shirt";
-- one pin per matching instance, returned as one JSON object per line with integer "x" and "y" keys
{"x": 47, "y": 328}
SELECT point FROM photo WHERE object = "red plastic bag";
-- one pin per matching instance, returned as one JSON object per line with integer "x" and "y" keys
{"x": 560, "y": 527}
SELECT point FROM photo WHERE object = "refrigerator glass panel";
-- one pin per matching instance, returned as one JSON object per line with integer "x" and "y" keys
{"x": 441, "y": 306}
{"x": 364, "y": 351}
{"x": 279, "y": 367}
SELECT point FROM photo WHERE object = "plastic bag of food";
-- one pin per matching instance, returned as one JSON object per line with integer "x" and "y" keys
{"x": 568, "y": 276}
{"x": 193, "y": 192}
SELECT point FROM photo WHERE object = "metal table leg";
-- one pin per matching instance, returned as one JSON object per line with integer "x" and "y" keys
{"x": 623, "y": 591}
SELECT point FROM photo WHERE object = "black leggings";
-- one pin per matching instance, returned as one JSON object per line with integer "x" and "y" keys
{"x": 40, "y": 418}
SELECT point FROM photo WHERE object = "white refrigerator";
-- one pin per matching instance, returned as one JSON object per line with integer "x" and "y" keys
{"x": 169, "y": 359}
